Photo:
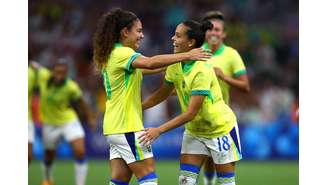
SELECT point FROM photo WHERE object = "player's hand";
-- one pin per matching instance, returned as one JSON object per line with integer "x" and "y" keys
{"x": 149, "y": 136}
{"x": 199, "y": 54}
{"x": 218, "y": 72}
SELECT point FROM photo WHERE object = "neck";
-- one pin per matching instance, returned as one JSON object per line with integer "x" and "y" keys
{"x": 214, "y": 47}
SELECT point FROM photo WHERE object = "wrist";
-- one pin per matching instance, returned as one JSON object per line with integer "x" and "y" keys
{"x": 160, "y": 130}
{"x": 185, "y": 56}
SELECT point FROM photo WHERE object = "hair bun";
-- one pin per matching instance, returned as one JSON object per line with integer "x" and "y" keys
{"x": 206, "y": 25}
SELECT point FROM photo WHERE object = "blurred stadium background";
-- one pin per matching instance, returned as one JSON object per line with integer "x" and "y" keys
{"x": 264, "y": 32}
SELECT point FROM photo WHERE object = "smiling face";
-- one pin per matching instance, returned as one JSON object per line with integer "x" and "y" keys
{"x": 216, "y": 35}
{"x": 181, "y": 42}
{"x": 133, "y": 36}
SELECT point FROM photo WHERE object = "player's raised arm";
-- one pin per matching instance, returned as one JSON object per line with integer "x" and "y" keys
{"x": 160, "y": 61}
{"x": 153, "y": 71}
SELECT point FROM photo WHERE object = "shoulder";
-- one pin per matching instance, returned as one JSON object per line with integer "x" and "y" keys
{"x": 231, "y": 51}
{"x": 122, "y": 52}
{"x": 72, "y": 85}
{"x": 202, "y": 66}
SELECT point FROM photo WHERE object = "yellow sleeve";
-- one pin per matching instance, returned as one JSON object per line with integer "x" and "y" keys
{"x": 201, "y": 84}
{"x": 238, "y": 66}
{"x": 125, "y": 58}
{"x": 169, "y": 75}
{"x": 75, "y": 91}
{"x": 43, "y": 74}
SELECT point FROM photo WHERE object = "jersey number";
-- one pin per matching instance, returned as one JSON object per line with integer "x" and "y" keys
{"x": 223, "y": 143}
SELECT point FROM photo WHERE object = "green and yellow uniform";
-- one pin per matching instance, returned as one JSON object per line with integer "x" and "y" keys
{"x": 215, "y": 118}
{"x": 31, "y": 85}
{"x": 123, "y": 87}
{"x": 229, "y": 61}
{"x": 55, "y": 101}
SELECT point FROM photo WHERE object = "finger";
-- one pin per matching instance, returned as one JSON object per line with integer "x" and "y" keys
{"x": 141, "y": 135}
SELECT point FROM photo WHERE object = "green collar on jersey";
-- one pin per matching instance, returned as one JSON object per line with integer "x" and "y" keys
{"x": 187, "y": 65}
{"x": 117, "y": 45}
{"x": 218, "y": 51}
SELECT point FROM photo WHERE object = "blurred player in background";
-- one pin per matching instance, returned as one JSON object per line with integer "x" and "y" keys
{"x": 118, "y": 35}
{"x": 211, "y": 126}
{"x": 229, "y": 68}
{"x": 31, "y": 88}
{"x": 61, "y": 105}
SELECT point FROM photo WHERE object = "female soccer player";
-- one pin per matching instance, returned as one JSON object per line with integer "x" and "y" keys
{"x": 61, "y": 103}
{"x": 210, "y": 124}
{"x": 229, "y": 68}
{"x": 118, "y": 35}
{"x": 31, "y": 86}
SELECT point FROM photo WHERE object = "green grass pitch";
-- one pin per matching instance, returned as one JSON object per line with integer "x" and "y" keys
{"x": 248, "y": 173}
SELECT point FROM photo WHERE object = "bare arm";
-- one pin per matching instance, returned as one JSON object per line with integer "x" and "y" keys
{"x": 159, "y": 61}
{"x": 152, "y": 71}
{"x": 160, "y": 95}
{"x": 152, "y": 133}
{"x": 240, "y": 82}
{"x": 84, "y": 112}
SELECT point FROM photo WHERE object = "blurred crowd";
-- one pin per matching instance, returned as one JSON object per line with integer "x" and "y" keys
{"x": 264, "y": 32}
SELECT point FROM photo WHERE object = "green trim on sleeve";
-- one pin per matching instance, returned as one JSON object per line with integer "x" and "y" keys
{"x": 200, "y": 92}
{"x": 238, "y": 73}
{"x": 128, "y": 66}
{"x": 168, "y": 82}
{"x": 203, "y": 92}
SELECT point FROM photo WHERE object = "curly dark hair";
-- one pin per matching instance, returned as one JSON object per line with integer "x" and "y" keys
{"x": 108, "y": 33}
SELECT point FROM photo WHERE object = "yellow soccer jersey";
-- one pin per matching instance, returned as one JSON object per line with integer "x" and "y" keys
{"x": 214, "y": 118}
{"x": 31, "y": 85}
{"x": 231, "y": 64}
{"x": 55, "y": 101}
{"x": 123, "y": 87}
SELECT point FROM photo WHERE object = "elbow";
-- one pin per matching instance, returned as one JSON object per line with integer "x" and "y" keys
{"x": 150, "y": 65}
{"x": 190, "y": 115}
{"x": 247, "y": 89}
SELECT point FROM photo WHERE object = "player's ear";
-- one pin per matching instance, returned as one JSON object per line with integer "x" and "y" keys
{"x": 125, "y": 32}
{"x": 224, "y": 34}
{"x": 191, "y": 43}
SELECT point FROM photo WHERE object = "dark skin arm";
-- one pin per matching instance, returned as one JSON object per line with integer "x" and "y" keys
{"x": 194, "y": 106}
{"x": 84, "y": 112}
{"x": 153, "y": 71}
{"x": 240, "y": 82}
{"x": 160, "y": 95}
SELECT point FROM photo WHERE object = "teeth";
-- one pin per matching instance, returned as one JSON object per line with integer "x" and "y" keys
{"x": 213, "y": 39}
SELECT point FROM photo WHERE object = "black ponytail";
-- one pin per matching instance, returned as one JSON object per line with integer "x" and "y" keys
{"x": 197, "y": 31}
